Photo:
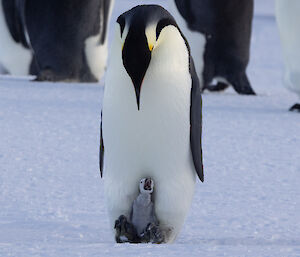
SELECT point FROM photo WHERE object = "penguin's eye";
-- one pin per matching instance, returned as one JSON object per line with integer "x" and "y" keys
{"x": 163, "y": 23}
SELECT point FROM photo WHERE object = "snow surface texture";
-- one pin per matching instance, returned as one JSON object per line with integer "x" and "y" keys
{"x": 51, "y": 194}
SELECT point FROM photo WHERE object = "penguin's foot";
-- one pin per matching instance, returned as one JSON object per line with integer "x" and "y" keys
{"x": 295, "y": 108}
{"x": 46, "y": 75}
{"x": 125, "y": 231}
{"x": 50, "y": 75}
{"x": 220, "y": 86}
{"x": 153, "y": 234}
{"x": 241, "y": 85}
{"x": 87, "y": 78}
{"x": 245, "y": 91}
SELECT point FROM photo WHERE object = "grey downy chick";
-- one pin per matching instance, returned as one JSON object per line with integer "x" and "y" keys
{"x": 143, "y": 214}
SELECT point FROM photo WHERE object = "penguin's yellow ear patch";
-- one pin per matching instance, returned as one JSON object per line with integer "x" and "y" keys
{"x": 150, "y": 33}
{"x": 150, "y": 47}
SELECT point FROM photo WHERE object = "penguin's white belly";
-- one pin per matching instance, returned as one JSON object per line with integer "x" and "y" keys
{"x": 287, "y": 15}
{"x": 96, "y": 55}
{"x": 151, "y": 142}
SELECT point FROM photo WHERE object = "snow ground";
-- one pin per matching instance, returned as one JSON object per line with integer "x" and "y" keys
{"x": 51, "y": 195}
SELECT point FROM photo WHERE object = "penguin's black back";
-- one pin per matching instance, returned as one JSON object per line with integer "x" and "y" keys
{"x": 57, "y": 31}
{"x": 227, "y": 25}
{"x": 14, "y": 20}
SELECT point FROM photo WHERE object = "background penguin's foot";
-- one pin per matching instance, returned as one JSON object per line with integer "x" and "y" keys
{"x": 153, "y": 234}
{"x": 47, "y": 75}
{"x": 241, "y": 85}
{"x": 125, "y": 231}
{"x": 220, "y": 86}
{"x": 50, "y": 75}
{"x": 295, "y": 108}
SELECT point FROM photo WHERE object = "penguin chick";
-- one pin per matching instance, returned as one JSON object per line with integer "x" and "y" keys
{"x": 143, "y": 207}
{"x": 143, "y": 226}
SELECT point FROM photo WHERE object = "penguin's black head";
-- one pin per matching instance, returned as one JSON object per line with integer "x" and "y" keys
{"x": 140, "y": 28}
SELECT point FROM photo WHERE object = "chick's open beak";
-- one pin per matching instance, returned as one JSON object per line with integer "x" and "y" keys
{"x": 148, "y": 184}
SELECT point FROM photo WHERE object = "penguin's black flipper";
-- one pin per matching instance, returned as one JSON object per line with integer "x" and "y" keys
{"x": 101, "y": 150}
{"x": 185, "y": 9}
{"x": 13, "y": 11}
{"x": 105, "y": 14}
{"x": 196, "y": 122}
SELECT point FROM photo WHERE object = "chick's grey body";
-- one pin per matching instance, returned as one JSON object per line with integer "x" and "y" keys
{"x": 142, "y": 212}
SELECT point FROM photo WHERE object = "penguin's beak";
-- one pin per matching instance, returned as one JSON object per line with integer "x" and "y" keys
{"x": 148, "y": 184}
{"x": 150, "y": 46}
{"x": 136, "y": 55}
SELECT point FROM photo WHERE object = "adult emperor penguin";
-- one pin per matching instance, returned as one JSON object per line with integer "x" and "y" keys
{"x": 219, "y": 33}
{"x": 151, "y": 117}
{"x": 288, "y": 20}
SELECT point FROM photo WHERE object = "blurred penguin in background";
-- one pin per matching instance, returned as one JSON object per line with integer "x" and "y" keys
{"x": 219, "y": 34}
{"x": 2, "y": 69}
{"x": 15, "y": 55}
{"x": 288, "y": 20}
{"x": 66, "y": 40}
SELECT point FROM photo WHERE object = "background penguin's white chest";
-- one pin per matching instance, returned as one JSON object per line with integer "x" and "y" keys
{"x": 287, "y": 15}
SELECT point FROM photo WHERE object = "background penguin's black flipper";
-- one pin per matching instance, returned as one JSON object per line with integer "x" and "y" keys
{"x": 185, "y": 9}
{"x": 13, "y": 12}
{"x": 101, "y": 150}
{"x": 105, "y": 20}
{"x": 196, "y": 122}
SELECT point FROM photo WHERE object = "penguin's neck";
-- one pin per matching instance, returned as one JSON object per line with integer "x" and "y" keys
{"x": 144, "y": 198}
